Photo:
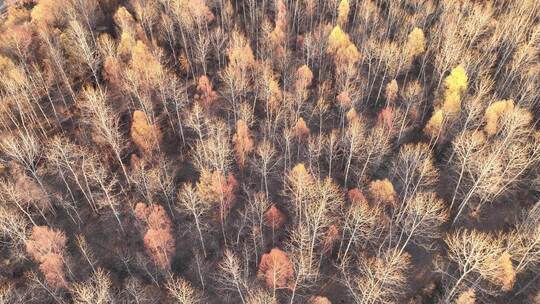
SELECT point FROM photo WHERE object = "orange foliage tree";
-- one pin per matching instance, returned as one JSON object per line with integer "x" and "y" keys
{"x": 382, "y": 191}
{"x": 158, "y": 239}
{"x": 276, "y": 269}
{"x": 301, "y": 130}
{"x": 206, "y": 93}
{"x": 274, "y": 218}
{"x": 47, "y": 247}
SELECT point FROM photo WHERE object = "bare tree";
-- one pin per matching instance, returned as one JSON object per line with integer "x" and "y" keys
{"x": 524, "y": 241}
{"x": 420, "y": 220}
{"x": 190, "y": 203}
{"x": 24, "y": 148}
{"x": 231, "y": 276}
{"x": 382, "y": 279}
{"x": 477, "y": 259}
{"x": 105, "y": 122}
{"x": 96, "y": 175}
{"x": 183, "y": 292}
{"x": 96, "y": 290}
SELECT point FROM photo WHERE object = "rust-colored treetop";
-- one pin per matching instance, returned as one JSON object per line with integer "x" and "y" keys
{"x": 158, "y": 238}
{"x": 274, "y": 218}
{"x": 276, "y": 269}
{"x": 47, "y": 247}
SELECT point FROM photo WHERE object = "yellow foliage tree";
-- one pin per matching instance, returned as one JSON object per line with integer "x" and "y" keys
{"x": 10, "y": 71}
{"x": 343, "y": 12}
{"x": 337, "y": 39}
{"x": 391, "y": 91}
{"x": 344, "y": 51}
{"x": 46, "y": 12}
{"x": 455, "y": 85}
{"x": 506, "y": 275}
{"x": 145, "y": 65}
{"x": 434, "y": 125}
{"x": 494, "y": 112}
{"x": 146, "y": 136}
{"x": 416, "y": 43}
{"x": 127, "y": 42}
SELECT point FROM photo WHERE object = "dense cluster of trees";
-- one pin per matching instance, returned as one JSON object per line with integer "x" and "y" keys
{"x": 270, "y": 151}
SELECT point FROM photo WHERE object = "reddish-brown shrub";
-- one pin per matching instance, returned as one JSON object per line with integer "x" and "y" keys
{"x": 304, "y": 77}
{"x": 331, "y": 237}
{"x": 344, "y": 100}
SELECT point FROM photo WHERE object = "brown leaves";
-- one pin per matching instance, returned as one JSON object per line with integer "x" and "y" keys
{"x": 276, "y": 269}
{"x": 147, "y": 137}
{"x": 467, "y": 297}
{"x": 279, "y": 34}
{"x": 200, "y": 12}
{"x": 158, "y": 239}
{"x": 47, "y": 247}
{"x": 243, "y": 143}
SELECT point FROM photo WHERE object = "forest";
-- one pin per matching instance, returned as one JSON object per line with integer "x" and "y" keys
{"x": 270, "y": 151}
